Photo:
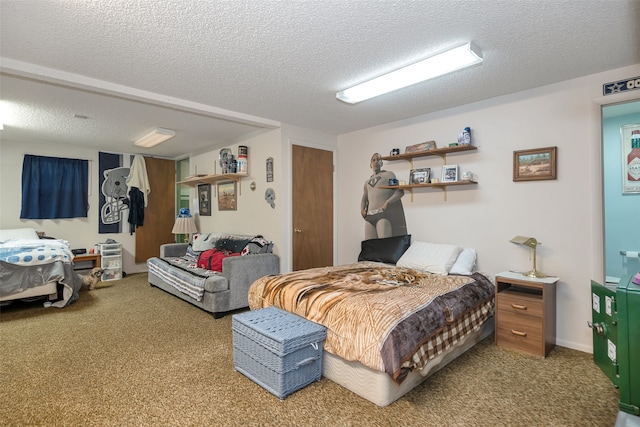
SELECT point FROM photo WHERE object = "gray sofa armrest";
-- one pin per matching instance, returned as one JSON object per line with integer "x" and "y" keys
{"x": 173, "y": 249}
{"x": 242, "y": 271}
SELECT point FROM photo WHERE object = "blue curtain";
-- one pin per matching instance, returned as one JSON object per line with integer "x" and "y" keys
{"x": 54, "y": 187}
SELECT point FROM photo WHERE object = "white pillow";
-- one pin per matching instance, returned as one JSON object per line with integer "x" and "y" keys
{"x": 204, "y": 241}
{"x": 465, "y": 263}
{"x": 18, "y": 233}
{"x": 431, "y": 257}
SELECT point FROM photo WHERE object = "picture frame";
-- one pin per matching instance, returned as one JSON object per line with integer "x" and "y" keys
{"x": 450, "y": 173}
{"x": 269, "y": 166}
{"x": 204, "y": 199}
{"x": 420, "y": 176}
{"x": 534, "y": 164}
{"x": 629, "y": 184}
{"x": 227, "y": 196}
{"x": 423, "y": 146}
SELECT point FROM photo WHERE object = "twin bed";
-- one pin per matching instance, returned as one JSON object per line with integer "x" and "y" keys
{"x": 31, "y": 267}
{"x": 398, "y": 315}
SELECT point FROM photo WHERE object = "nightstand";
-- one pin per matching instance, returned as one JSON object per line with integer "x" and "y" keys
{"x": 526, "y": 313}
{"x": 94, "y": 259}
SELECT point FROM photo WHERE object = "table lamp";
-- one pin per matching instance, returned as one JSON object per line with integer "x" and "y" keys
{"x": 184, "y": 224}
{"x": 532, "y": 243}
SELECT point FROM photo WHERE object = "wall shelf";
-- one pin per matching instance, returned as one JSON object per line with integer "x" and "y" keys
{"x": 193, "y": 181}
{"x": 442, "y": 153}
{"x": 441, "y": 185}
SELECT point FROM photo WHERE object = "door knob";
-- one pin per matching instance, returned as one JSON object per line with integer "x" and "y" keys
{"x": 297, "y": 230}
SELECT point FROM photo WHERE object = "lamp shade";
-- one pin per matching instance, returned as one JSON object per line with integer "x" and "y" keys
{"x": 184, "y": 223}
{"x": 184, "y": 226}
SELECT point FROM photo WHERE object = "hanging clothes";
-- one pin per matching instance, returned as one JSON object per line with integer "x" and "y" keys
{"x": 139, "y": 190}
{"x": 138, "y": 177}
{"x": 136, "y": 209}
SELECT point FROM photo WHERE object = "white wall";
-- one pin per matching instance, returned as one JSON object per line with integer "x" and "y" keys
{"x": 80, "y": 232}
{"x": 564, "y": 214}
{"x": 253, "y": 215}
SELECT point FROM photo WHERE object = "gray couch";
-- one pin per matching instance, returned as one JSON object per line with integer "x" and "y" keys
{"x": 217, "y": 293}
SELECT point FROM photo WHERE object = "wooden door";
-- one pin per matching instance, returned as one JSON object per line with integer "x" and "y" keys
{"x": 159, "y": 215}
{"x": 312, "y": 187}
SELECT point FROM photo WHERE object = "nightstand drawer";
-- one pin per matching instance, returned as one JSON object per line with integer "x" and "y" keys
{"x": 519, "y": 332}
{"x": 521, "y": 303}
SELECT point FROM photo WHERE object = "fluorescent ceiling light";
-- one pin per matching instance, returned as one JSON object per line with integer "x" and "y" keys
{"x": 443, "y": 63}
{"x": 155, "y": 137}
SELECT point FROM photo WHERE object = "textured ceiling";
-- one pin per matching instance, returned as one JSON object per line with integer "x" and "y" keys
{"x": 214, "y": 70}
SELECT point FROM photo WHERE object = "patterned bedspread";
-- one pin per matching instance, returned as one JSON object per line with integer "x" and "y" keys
{"x": 388, "y": 318}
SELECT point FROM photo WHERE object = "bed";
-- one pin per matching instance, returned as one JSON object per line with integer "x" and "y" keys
{"x": 32, "y": 268}
{"x": 398, "y": 315}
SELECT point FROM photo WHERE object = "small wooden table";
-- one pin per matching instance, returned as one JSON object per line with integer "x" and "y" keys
{"x": 93, "y": 258}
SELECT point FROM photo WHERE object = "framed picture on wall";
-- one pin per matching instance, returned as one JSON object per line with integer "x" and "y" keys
{"x": 204, "y": 199}
{"x": 227, "y": 199}
{"x": 630, "y": 158}
{"x": 535, "y": 164}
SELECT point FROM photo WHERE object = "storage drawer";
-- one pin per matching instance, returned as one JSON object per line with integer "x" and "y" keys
{"x": 520, "y": 332}
{"x": 520, "y": 302}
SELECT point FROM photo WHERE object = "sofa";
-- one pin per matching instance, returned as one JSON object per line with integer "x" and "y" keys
{"x": 182, "y": 270}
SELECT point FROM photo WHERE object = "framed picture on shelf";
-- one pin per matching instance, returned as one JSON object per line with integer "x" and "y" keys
{"x": 227, "y": 196}
{"x": 535, "y": 164}
{"x": 423, "y": 146}
{"x": 450, "y": 173}
{"x": 420, "y": 176}
{"x": 204, "y": 199}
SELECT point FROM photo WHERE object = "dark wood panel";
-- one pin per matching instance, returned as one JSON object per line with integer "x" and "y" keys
{"x": 159, "y": 215}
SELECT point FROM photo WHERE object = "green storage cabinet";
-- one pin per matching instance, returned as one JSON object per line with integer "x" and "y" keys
{"x": 616, "y": 338}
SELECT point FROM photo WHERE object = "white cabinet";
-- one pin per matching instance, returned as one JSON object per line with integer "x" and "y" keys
{"x": 111, "y": 261}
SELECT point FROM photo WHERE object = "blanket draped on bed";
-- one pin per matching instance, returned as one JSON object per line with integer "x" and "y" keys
{"x": 28, "y": 263}
{"x": 388, "y": 318}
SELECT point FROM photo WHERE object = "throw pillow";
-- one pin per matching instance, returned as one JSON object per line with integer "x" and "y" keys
{"x": 258, "y": 245}
{"x": 465, "y": 263}
{"x": 387, "y": 250}
{"x": 231, "y": 244}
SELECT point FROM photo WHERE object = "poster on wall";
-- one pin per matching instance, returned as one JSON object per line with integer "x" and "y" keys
{"x": 113, "y": 197}
{"x": 630, "y": 136}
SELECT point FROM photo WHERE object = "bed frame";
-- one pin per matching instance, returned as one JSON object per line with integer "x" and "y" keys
{"x": 49, "y": 289}
{"x": 378, "y": 387}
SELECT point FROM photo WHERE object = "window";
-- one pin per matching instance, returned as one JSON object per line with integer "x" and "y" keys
{"x": 54, "y": 187}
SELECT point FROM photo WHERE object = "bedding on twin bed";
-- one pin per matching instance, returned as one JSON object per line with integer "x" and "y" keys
{"x": 27, "y": 262}
{"x": 388, "y": 318}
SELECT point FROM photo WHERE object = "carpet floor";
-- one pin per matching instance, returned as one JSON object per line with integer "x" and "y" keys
{"x": 127, "y": 354}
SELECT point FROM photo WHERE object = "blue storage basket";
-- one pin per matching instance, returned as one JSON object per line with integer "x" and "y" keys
{"x": 279, "y": 350}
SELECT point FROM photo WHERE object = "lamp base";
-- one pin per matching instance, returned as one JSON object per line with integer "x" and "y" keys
{"x": 534, "y": 274}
